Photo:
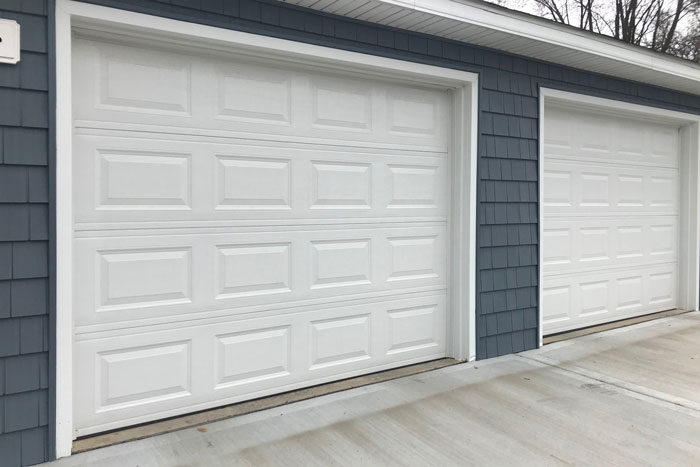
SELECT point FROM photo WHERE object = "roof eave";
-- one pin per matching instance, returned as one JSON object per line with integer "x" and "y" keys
{"x": 522, "y": 34}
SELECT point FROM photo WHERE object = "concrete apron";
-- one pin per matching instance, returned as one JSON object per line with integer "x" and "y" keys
{"x": 629, "y": 396}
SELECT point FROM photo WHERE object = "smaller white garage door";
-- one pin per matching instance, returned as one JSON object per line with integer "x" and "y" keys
{"x": 245, "y": 227}
{"x": 610, "y": 218}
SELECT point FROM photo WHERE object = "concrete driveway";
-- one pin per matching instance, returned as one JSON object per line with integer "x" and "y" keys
{"x": 625, "y": 397}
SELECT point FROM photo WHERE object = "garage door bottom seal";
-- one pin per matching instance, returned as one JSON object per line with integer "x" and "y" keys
{"x": 197, "y": 419}
{"x": 566, "y": 335}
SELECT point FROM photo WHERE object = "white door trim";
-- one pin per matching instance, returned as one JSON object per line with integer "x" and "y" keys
{"x": 689, "y": 281}
{"x": 464, "y": 86}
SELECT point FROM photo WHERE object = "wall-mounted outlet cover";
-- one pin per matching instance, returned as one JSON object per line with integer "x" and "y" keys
{"x": 9, "y": 41}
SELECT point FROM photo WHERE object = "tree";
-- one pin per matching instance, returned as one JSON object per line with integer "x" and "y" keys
{"x": 687, "y": 44}
{"x": 669, "y": 26}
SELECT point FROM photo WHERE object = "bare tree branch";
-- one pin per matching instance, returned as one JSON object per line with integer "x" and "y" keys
{"x": 674, "y": 25}
{"x": 671, "y": 26}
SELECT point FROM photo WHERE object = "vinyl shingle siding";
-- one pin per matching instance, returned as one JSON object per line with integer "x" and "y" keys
{"x": 507, "y": 236}
{"x": 24, "y": 234}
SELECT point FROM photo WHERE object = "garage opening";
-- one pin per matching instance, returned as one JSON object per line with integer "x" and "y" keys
{"x": 244, "y": 225}
{"x": 618, "y": 212}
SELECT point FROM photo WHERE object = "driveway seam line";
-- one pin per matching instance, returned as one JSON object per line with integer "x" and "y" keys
{"x": 585, "y": 374}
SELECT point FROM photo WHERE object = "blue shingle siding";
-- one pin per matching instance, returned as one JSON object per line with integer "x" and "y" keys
{"x": 24, "y": 232}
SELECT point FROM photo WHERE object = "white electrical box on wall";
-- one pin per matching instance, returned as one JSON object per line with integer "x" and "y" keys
{"x": 9, "y": 41}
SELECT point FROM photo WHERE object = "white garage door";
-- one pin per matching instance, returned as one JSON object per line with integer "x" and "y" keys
{"x": 611, "y": 218}
{"x": 243, "y": 228}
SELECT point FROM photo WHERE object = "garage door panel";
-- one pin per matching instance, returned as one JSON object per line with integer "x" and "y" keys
{"x": 143, "y": 180}
{"x": 594, "y": 136}
{"x": 611, "y": 216}
{"x": 587, "y": 298}
{"x": 269, "y": 350}
{"x": 143, "y": 276}
{"x": 178, "y": 92}
{"x": 214, "y": 363}
{"x": 126, "y": 377}
{"x": 158, "y": 276}
{"x": 157, "y": 84}
{"x": 582, "y": 188}
{"x": 254, "y": 94}
{"x": 574, "y": 244}
{"x": 246, "y": 226}
{"x": 131, "y": 180}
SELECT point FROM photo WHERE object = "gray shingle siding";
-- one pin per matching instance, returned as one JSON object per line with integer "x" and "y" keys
{"x": 24, "y": 231}
{"x": 507, "y": 192}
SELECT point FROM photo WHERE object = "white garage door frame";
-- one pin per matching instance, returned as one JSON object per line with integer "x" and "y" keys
{"x": 689, "y": 264}
{"x": 464, "y": 87}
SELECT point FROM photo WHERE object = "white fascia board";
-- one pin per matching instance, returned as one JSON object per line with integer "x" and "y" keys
{"x": 531, "y": 27}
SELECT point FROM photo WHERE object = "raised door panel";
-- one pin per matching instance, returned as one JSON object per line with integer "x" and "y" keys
{"x": 586, "y": 299}
{"x": 125, "y": 377}
{"x": 218, "y": 361}
{"x": 255, "y": 355}
{"x": 135, "y": 182}
{"x": 578, "y": 135}
{"x": 588, "y": 188}
{"x": 579, "y": 244}
{"x": 127, "y": 86}
{"x": 158, "y": 278}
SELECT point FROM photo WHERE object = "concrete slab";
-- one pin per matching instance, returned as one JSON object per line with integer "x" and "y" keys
{"x": 598, "y": 400}
{"x": 658, "y": 358}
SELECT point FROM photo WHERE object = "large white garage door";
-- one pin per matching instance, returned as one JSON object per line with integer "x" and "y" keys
{"x": 243, "y": 228}
{"x": 611, "y": 218}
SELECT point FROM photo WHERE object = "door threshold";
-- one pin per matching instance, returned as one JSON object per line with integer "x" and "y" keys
{"x": 197, "y": 419}
{"x": 562, "y": 336}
